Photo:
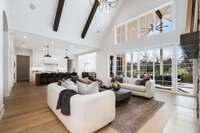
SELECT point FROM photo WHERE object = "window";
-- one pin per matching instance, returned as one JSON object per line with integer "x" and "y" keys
{"x": 153, "y": 22}
{"x": 87, "y": 63}
{"x": 164, "y": 19}
{"x": 120, "y": 64}
{"x": 184, "y": 73}
{"x": 146, "y": 24}
{"x": 157, "y": 63}
{"x": 135, "y": 70}
{"x": 163, "y": 68}
{"x": 146, "y": 63}
{"x": 117, "y": 65}
{"x": 128, "y": 65}
{"x": 160, "y": 64}
{"x": 120, "y": 34}
{"x": 132, "y": 30}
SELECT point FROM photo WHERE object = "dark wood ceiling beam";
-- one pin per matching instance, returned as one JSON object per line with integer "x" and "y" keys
{"x": 58, "y": 14}
{"x": 190, "y": 15}
{"x": 90, "y": 18}
{"x": 159, "y": 14}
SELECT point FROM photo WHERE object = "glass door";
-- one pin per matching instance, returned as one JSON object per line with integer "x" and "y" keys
{"x": 163, "y": 68}
{"x": 185, "y": 72}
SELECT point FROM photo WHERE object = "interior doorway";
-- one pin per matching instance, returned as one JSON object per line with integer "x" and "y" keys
{"x": 23, "y": 68}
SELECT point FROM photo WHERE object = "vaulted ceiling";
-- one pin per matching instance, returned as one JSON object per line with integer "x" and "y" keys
{"x": 37, "y": 17}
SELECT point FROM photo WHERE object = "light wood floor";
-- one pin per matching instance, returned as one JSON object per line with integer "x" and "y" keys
{"x": 26, "y": 111}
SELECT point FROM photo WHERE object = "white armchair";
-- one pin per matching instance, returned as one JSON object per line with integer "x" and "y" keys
{"x": 88, "y": 112}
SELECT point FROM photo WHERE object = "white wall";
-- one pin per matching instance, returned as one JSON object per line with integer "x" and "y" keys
{"x": 87, "y": 63}
{"x": 37, "y": 60}
{"x": 11, "y": 64}
{"x": 131, "y": 9}
{"x": 57, "y": 57}
{"x": 5, "y": 54}
{"x": 2, "y": 7}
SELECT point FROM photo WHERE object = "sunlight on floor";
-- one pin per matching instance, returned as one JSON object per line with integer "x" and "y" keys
{"x": 178, "y": 115}
{"x": 183, "y": 120}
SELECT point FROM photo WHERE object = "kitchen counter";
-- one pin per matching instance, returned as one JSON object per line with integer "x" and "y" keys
{"x": 45, "y": 78}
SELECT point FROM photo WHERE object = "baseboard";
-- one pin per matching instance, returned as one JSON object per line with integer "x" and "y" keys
{"x": 1, "y": 112}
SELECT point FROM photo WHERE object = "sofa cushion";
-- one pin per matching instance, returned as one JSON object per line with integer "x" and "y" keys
{"x": 68, "y": 84}
{"x": 85, "y": 89}
{"x": 144, "y": 80}
{"x": 138, "y": 82}
{"x": 133, "y": 87}
{"x": 131, "y": 80}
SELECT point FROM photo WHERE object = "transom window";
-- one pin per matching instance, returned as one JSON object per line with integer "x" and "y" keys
{"x": 153, "y": 22}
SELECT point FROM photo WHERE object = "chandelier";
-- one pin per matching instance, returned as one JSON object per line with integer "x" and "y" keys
{"x": 107, "y": 4}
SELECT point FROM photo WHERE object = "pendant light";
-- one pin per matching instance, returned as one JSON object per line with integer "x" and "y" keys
{"x": 66, "y": 57}
{"x": 47, "y": 55}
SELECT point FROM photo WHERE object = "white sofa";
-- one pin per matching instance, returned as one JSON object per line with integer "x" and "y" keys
{"x": 88, "y": 112}
{"x": 147, "y": 91}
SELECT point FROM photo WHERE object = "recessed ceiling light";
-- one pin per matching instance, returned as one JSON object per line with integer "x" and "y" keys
{"x": 98, "y": 31}
{"x": 25, "y": 37}
{"x": 32, "y": 6}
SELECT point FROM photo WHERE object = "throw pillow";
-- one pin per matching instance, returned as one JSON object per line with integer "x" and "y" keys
{"x": 74, "y": 78}
{"x": 138, "y": 82}
{"x": 68, "y": 84}
{"x": 59, "y": 82}
{"x": 87, "y": 88}
{"x": 87, "y": 80}
{"x": 143, "y": 81}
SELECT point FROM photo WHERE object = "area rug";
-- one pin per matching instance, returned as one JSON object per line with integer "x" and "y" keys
{"x": 132, "y": 116}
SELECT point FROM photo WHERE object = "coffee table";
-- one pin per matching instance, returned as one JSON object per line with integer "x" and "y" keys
{"x": 122, "y": 95}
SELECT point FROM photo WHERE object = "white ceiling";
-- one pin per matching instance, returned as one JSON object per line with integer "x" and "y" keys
{"x": 35, "y": 42}
{"x": 39, "y": 22}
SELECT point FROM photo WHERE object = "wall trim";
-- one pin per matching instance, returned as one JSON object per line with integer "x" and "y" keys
{"x": 1, "y": 111}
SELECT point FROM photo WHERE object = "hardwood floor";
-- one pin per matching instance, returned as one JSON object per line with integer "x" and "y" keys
{"x": 26, "y": 111}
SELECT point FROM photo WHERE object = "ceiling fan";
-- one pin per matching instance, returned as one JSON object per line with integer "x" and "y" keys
{"x": 148, "y": 30}
{"x": 160, "y": 27}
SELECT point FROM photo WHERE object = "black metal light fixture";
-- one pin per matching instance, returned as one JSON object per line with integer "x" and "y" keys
{"x": 66, "y": 57}
{"x": 47, "y": 55}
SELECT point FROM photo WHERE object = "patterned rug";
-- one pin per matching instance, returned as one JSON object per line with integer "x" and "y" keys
{"x": 132, "y": 116}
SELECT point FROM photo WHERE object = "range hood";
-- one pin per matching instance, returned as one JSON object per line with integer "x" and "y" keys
{"x": 190, "y": 44}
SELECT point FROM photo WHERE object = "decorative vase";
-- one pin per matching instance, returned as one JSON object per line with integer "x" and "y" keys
{"x": 115, "y": 86}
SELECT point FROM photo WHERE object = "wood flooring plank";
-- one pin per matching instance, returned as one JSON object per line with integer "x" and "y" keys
{"x": 26, "y": 111}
